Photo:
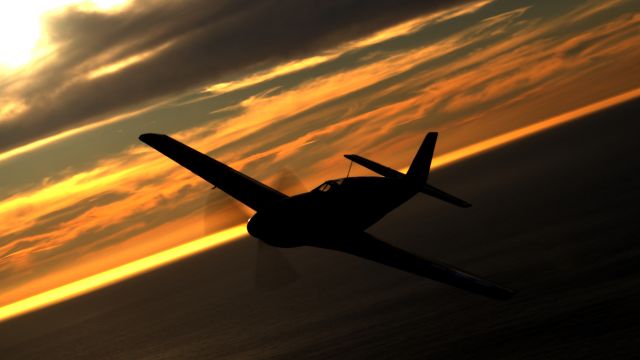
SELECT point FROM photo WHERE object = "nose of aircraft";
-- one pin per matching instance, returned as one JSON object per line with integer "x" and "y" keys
{"x": 270, "y": 229}
{"x": 255, "y": 226}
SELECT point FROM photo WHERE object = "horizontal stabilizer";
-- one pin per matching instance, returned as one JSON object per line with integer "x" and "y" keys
{"x": 375, "y": 167}
{"x": 248, "y": 191}
{"x": 439, "y": 194}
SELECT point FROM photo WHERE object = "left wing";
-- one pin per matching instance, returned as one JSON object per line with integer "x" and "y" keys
{"x": 366, "y": 246}
{"x": 375, "y": 167}
{"x": 250, "y": 192}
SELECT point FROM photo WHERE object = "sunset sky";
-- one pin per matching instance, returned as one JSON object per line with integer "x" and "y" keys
{"x": 263, "y": 85}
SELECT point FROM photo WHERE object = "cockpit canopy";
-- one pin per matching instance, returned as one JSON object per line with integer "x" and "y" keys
{"x": 330, "y": 185}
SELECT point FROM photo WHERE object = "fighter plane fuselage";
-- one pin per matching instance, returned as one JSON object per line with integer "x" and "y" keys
{"x": 337, "y": 206}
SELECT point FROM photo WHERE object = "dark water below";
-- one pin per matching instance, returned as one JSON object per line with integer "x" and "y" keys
{"x": 555, "y": 216}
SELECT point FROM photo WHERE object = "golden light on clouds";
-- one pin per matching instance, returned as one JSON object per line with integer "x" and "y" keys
{"x": 38, "y": 144}
{"x": 21, "y": 30}
{"x": 120, "y": 273}
{"x": 122, "y": 64}
{"x": 406, "y": 28}
{"x": 11, "y": 107}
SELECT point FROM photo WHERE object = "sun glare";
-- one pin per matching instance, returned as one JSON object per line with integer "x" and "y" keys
{"x": 21, "y": 27}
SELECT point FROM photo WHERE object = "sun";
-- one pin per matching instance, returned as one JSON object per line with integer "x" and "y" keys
{"x": 21, "y": 26}
{"x": 19, "y": 32}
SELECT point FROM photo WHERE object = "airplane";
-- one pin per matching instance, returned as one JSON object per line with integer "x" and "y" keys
{"x": 336, "y": 214}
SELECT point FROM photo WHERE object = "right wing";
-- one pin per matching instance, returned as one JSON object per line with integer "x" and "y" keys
{"x": 250, "y": 192}
{"x": 366, "y": 246}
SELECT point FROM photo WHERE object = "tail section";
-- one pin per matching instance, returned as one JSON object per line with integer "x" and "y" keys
{"x": 419, "y": 169}
{"x": 418, "y": 173}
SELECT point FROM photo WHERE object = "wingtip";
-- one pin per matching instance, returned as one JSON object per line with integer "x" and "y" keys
{"x": 506, "y": 295}
{"x": 145, "y": 138}
{"x": 502, "y": 293}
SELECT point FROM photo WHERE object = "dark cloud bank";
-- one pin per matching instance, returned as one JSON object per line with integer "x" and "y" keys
{"x": 207, "y": 40}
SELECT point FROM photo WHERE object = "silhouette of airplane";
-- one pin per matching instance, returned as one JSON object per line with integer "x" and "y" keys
{"x": 336, "y": 214}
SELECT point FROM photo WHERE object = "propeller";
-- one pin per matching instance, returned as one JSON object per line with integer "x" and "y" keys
{"x": 288, "y": 183}
{"x": 221, "y": 211}
{"x": 272, "y": 269}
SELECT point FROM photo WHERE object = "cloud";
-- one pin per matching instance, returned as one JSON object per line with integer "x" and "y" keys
{"x": 155, "y": 48}
{"x": 123, "y": 198}
{"x": 518, "y": 71}
{"x": 403, "y": 29}
{"x": 488, "y": 77}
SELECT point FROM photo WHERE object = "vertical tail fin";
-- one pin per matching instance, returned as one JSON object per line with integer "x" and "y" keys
{"x": 419, "y": 169}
